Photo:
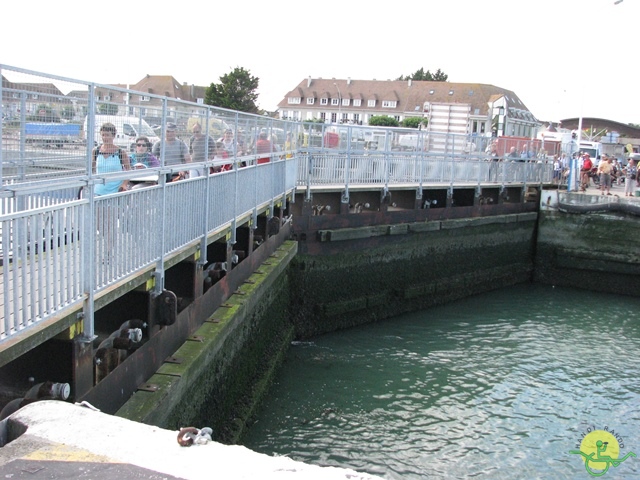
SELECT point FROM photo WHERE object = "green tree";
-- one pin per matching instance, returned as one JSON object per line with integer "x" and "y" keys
{"x": 383, "y": 121}
{"x": 236, "y": 91}
{"x": 420, "y": 74}
{"x": 413, "y": 122}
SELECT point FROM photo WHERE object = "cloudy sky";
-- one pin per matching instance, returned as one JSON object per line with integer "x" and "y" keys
{"x": 563, "y": 58}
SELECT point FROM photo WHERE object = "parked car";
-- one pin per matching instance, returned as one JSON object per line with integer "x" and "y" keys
{"x": 127, "y": 130}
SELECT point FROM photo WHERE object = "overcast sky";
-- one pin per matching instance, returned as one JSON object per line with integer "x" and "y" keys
{"x": 563, "y": 58}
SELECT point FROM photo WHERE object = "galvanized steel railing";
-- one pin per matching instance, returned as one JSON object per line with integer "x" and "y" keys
{"x": 61, "y": 245}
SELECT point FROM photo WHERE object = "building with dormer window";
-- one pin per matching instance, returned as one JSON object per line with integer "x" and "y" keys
{"x": 467, "y": 108}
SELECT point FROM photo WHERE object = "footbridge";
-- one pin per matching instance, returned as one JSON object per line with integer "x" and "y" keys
{"x": 90, "y": 283}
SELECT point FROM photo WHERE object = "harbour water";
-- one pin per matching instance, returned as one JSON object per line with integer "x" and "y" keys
{"x": 498, "y": 386}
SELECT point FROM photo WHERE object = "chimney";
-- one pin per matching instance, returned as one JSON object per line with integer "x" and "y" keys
{"x": 309, "y": 81}
{"x": 409, "y": 82}
{"x": 348, "y": 80}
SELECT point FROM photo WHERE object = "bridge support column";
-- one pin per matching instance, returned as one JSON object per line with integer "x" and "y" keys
{"x": 418, "y": 203}
{"x": 449, "y": 197}
{"x": 82, "y": 367}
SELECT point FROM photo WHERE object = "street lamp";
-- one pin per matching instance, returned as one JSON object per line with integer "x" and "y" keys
{"x": 339, "y": 102}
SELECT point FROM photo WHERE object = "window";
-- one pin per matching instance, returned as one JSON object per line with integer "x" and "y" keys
{"x": 128, "y": 130}
{"x": 310, "y": 100}
{"x": 389, "y": 104}
{"x": 345, "y": 102}
{"x": 356, "y": 117}
{"x": 107, "y": 98}
{"x": 334, "y": 117}
{"x": 334, "y": 101}
{"x": 145, "y": 98}
{"x": 324, "y": 101}
{"x": 323, "y": 116}
{"x": 200, "y": 101}
{"x": 294, "y": 100}
{"x": 309, "y": 115}
{"x": 371, "y": 103}
{"x": 357, "y": 102}
{"x": 34, "y": 95}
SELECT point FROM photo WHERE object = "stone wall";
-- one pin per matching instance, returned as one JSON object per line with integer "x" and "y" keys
{"x": 594, "y": 251}
{"x": 371, "y": 273}
{"x": 217, "y": 377}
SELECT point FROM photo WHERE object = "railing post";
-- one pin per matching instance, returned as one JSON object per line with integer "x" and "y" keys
{"x": 158, "y": 274}
{"x": 89, "y": 234}
{"x": 347, "y": 170}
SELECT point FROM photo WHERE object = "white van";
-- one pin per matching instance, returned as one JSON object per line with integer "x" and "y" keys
{"x": 127, "y": 130}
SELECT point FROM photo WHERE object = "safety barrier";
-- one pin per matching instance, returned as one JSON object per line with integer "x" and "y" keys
{"x": 61, "y": 245}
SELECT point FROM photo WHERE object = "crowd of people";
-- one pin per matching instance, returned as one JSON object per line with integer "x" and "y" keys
{"x": 108, "y": 158}
{"x": 607, "y": 172}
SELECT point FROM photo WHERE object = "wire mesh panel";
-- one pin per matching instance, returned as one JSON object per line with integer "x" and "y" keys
{"x": 192, "y": 169}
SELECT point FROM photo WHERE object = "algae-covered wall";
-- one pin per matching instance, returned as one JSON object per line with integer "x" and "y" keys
{"x": 595, "y": 251}
{"x": 218, "y": 375}
{"x": 357, "y": 279}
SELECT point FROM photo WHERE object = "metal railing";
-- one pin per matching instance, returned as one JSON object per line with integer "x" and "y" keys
{"x": 61, "y": 245}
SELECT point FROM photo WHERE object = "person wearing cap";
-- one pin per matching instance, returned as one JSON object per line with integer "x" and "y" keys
{"x": 587, "y": 165}
{"x": 175, "y": 150}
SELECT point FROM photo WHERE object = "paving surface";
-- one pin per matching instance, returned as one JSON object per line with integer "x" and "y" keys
{"x": 58, "y": 440}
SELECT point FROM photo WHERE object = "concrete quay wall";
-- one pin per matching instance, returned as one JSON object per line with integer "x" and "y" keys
{"x": 361, "y": 275}
{"x": 593, "y": 251}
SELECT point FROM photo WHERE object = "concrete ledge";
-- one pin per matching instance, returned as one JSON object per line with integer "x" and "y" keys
{"x": 352, "y": 233}
{"x": 74, "y": 435}
{"x": 424, "y": 227}
{"x": 527, "y": 217}
{"x": 406, "y": 228}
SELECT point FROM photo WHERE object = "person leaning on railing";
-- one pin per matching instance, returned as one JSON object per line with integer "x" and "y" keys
{"x": 109, "y": 158}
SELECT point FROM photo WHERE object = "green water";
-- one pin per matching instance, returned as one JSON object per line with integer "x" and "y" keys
{"x": 502, "y": 385}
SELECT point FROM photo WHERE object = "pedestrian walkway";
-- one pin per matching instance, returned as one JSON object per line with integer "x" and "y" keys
{"x": 616, "y": 190}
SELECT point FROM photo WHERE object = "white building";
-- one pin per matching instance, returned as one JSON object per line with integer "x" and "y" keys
{"x": 470, "y": 108}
